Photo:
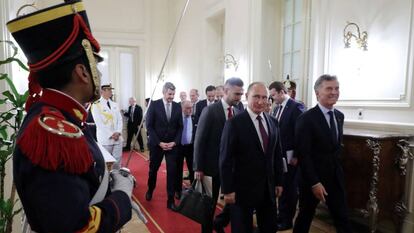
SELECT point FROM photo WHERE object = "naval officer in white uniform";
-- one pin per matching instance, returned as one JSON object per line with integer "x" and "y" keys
{"x": 108, "y": 120}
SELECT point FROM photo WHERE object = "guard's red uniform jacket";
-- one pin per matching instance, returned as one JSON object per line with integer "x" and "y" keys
{"x": 58, "y": 168}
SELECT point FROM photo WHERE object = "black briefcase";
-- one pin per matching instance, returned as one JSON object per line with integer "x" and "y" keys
{"x": 195, "y": 205}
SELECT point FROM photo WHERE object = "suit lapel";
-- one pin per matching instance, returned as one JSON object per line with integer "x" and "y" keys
{"x": 164, "y": 115}
{"x": 323, "y": 123}
{"x": 220, "y": 110}
{"x": 271, "y": 134}
{"x": 286, "y": 111}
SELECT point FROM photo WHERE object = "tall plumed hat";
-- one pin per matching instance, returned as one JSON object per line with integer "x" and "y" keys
{"x": 50, "y": 37}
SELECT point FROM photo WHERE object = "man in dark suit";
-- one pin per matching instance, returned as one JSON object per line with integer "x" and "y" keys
{"x": 291, "y": 91}
{"x": 134, "y": 115}
{"x": 186, "y": 146}
{"x": 318, "y": 139}
{"x": 164, "y": 125}
{"x": 207, "y": 140}
{"x": 251, "y": 169}
{"x": 287, "y": 112}
{"x": 210, "y": 99}
{"x": 194, "y": 99}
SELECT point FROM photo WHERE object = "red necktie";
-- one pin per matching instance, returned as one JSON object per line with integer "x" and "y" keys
{"x": 265, "y": 137}
{"x": 229, "y": 113}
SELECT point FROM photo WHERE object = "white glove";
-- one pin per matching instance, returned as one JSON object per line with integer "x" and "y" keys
{"x": 122, "y": 182}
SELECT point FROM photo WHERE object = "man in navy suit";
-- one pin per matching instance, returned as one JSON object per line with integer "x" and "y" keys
{"x": 286, "y": 113}
{"x": 186, "y": 146}
{"x": 251, "y": 170}
{"x": 210, "y": 99}
{"x": 318, "y": 143}
{"x": 164, "y": 125}
{"x": 207, "y": 143}
{"x": 134, "y": 115}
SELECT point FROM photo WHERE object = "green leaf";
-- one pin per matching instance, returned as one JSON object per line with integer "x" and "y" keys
{"x": 4, "y": 154}
{"x": 13, "y": 57}
{"x": 3, "y": 132}
{"x": 10, "y": 96}
{"x": 8, "y": 116}
{"x": 12, "y": 86}
{"x": 21, "y": 100}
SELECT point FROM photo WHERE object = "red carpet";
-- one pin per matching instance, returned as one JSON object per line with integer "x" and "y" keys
{"x": 160, "y": 219}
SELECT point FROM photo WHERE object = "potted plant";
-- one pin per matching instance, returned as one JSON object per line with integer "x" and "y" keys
{"x": 10, "y": 122}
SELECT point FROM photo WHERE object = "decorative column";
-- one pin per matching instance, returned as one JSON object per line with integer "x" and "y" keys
{"x": 372, "y": 205}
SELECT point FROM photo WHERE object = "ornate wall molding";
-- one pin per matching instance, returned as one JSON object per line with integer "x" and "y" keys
{"x": 372, "y": 204}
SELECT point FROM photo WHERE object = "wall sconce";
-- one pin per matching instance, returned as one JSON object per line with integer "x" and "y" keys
{"x": 361, "y": 38}
{"x": 32, "y": 5}
{"x": 229, "y": 61}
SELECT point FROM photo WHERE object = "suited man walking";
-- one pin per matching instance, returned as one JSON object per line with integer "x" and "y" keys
{"x": 186, "y": 146}
{"x": 207, "y": 142}
{"x": 286, "y": 113}
{"x": 251, "y": 169}
{"x": 210, "y": 99}
{"x": 134, "y": 115}
{"x": 318, "y": 142}
{"x": 164, "y": 125}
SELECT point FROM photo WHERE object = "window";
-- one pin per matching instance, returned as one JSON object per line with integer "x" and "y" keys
{"x": 293, "y": 51}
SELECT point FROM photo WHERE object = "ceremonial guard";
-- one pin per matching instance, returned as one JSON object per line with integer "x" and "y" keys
{"x": 108, "y": 121}
{"x": 58, "y": 168}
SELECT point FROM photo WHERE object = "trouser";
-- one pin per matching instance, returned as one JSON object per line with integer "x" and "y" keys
{"x": 156, "y": 156}
{"x": 116, "y": 151}
{"x": 289, "y": 198}
{"x": 223, "y": 218}
{"x": 131, "y": 132}
{"x": 336, "y": 202}
{"x": 242, "y": 217}
{"x": 184, "y": 151}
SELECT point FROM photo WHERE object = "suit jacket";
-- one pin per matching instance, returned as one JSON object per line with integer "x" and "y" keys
{"x": 207, "y": 139}
{"x": 136, "y": 118}
{"x": 200, "y": 105}
{"x": 159, "y": 128}
{"x": 245, "y": 168}
{"x": 318, "y": 155}
{"x": 287, "y": 123}
{"x": 108, "y": 121}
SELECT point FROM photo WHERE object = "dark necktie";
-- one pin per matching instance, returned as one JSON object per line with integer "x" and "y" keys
{"x": 279, "y": 112}
{"x": 109, "y": 105}
{"x": 265, "y": 137}
{"x": 132, "y": 113}
{"x": 333, "y": 127}
{"x": 168, "y": 111}
{"x": 229, "y": 113}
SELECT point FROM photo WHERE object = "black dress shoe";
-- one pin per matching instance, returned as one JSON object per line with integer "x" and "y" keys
{"x": 171, "y": 205}
{"x": 218, "y": 228}
{"x": 284, "y": 226}
{"x": 148, "y": 195}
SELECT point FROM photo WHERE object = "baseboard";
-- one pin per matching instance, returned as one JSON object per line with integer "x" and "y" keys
{"x": 408, "y": 226}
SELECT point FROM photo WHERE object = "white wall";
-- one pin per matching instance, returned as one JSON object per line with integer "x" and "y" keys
{"x": 378, "y": 81}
